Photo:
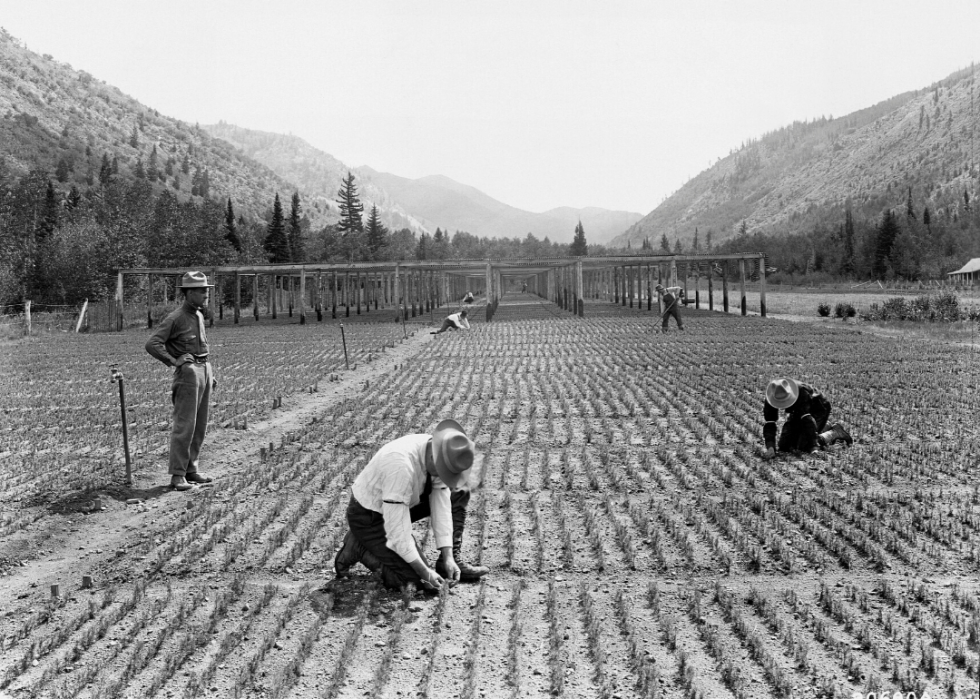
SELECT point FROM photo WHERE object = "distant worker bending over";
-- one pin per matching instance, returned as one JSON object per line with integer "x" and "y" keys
{"x": 672, "y": 299}
{"x": 455, "y": 321}
{"x": 807, "y": 411}
{"x": 468, "y": 298}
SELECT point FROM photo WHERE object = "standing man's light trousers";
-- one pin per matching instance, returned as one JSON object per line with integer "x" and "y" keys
{"x": 191, "y": 396}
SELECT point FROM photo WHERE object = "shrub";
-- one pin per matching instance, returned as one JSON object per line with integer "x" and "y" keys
{"x": 844, "y": 310}
{"x": 823, "y": 310}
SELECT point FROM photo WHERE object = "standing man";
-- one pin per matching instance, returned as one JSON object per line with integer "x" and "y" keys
{"x": 409, "y": 479}
{"x": 807, "y": 411}
{"x": 454, "y": 321}
{"x": 672, "y": 299}
{"x": 180, "y": 342}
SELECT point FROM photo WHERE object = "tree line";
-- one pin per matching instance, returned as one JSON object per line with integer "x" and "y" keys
{"x": 60, "y": 245}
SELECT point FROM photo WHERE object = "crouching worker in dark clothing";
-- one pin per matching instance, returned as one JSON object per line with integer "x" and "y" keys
{"x": 409, "y": 479}
{"x": 807, "y": 412}
{"x": 673, "y": 296}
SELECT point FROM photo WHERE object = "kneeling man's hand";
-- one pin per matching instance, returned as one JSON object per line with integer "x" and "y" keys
{"x": 450, "y": 567}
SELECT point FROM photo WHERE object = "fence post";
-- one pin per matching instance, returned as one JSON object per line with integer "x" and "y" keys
{"x": 27, "y": 317}
{"x": 81, "y": 316}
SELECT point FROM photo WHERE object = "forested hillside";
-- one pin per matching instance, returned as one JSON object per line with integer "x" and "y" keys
{"x": 789, "y": 192}
{"x": 93, "y": 181}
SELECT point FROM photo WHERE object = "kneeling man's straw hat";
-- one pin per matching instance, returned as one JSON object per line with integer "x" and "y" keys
{"x": 452, "y": 451}
{"x": 782, "y": 393}
{"x": 195, "y": 280}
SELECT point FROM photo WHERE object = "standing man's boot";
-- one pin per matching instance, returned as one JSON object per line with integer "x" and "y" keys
{"x": 835, "y": 434}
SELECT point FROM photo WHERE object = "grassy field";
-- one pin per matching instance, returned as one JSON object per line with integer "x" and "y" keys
{"x": 638, "y": 545}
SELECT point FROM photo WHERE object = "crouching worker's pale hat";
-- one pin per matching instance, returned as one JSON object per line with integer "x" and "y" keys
{"x": 782, "y": 393}
{"x": 452, "y": 451}
{"x": 195, "y": 280}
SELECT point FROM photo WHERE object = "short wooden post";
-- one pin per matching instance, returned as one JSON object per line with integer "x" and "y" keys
{"x": 149, "y": 300}
{"x": 333, "y": 296}
{"x": 302, "y": 296}
{"x": 579, "y": 293}
{"x": 119, "y": 305}
{"x": 711, "y": 285}
{"x": 217, "y": 291}
{"x": 81, "y": 316}
{"x": 697, "y": 285}
{"x": 762, "y": 285}
{"x": 319, "y": 296}
{"x": 687, "y": 274}
{"x": 273, "y": 294}
{"x": 358, "y": 290}
{"x": 741, "y": 283}
{"x": 724, "y": 285}
{"x": 347, "y": 292}
{"x": 238, "y": 296}
{"x": 255, "y": 296}
{"x": 212, "y": 296}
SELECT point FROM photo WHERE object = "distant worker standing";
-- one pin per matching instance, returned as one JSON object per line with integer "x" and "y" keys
{"x": 672, "y": 296}
{"x": 180, "y": 342}
{"x": 524, "y": 288}
{"x": 454, "y": 321}
{"x": 807, "y": 411}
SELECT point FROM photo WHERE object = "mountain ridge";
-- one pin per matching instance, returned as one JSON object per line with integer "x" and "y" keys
{"x": 805, "y": 174}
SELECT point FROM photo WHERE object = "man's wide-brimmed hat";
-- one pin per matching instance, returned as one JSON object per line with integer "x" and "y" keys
{"x": 659, "y": 286}
{"x": 782, "y": 393}
{"x": 195, "y": 280}
{"x": 452, "y": 451}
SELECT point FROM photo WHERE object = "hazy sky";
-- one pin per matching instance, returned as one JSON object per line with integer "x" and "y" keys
{"x": 539, "y": 104}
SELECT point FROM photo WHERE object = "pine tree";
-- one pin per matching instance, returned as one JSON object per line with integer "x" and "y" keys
{"x": 231, "y": 230}
{"x": 678, "y": 247}
{"x": 73, "y": 199}
{"x": 105, "y": 171}
{"x": 887, "y": 233}
{"x": 350, "y": 225}
{"x": 847, "y": 263}
{"x": 926, "y": 217}
{"x": 422, "y": 249}
{"x": 62, "y": 171}
{"x": 185, "y": 165}
{"x": 910, "y": 207}
{"x": 276, "y": 244}
{"x": 134, "y": 138}
{"x": 140, "y": 172}
{"x": 151, "y": 166}
{"x": 696, "y": 244}
{"x": 377, "y": 234}
{"x": 579, "y": 247}
{"x": 49, "y": 219}
{"x": 296, "y": 251}
{"x": 664, "y": 244}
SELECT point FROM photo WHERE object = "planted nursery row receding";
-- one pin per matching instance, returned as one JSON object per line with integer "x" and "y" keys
{"x": 638, "y": 544}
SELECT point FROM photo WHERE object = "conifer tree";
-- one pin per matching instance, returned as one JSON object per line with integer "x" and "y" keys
{"x": 296, "y": 251}
{"x": 887, "y": 233}
{"x": 151, "y": 167}
{"x": 696, "y": 244}
{"x": 664, "y": 244}
{"x": 847, "y": 263}
{"x": 105, "y": 171}
{"x": 276, "y": 244}
{"x": 49, "y": 219}
{"x": 377, "y": 234}
{"x": 580, "y": 247}
{"x": 231, "y": 230}
{"x": 350, "y": 225}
